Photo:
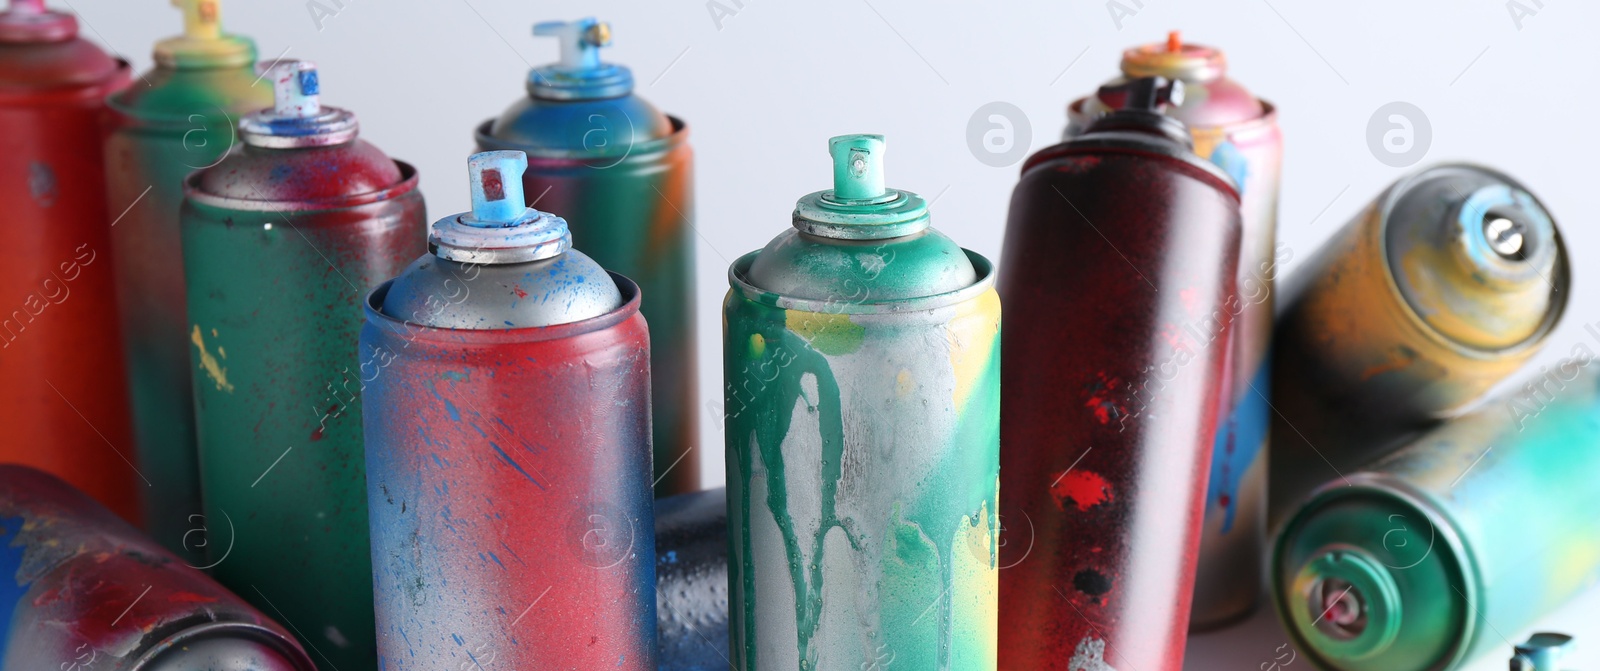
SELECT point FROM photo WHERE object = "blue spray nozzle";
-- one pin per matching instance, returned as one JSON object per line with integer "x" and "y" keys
{"x": 296, "y": 90}
{"x": 496, "y": 181}
{"x": 580, "y": 74}
{"x": 580, "y": 42}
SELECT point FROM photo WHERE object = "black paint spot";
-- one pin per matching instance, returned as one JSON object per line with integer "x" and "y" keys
{"x": 1091, "y": 582}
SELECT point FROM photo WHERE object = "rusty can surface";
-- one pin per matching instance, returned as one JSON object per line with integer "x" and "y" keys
{"x": 507, "y": 411}
{"x": 282, "y": 240}
{"x": 63, "y": 403}
{"x": 1120, "y": 255}
{"x": 1442, "y": 287}
{"x": 80, "y": 590}
{"x": 1239, "y": 133}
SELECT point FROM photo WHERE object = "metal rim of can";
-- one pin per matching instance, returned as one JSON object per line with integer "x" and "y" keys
{"x": 1239, "y": 133}
{"x": 1561, "y": 279}
{"x": 406, "y": 185}
{"x": 751, "y": 292}
{"x": 1382, "y": 485}
{"x": 902, "y": 214}
{"x": 455, "y": 338}
{"x": 334, "y": 125}
{"x": 637, "y": 152}
{"x": 95, "y": 93}
{"x": 249, "y": 630}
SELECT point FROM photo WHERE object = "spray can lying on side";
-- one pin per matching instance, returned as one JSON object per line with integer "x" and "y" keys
{"x": 1447, "y": 283}
{"x": 508, "y": 447}
{"x": 1112, "y": 384}
{"x": 180, "y": 118}
{"x": 1481, "y": 526}
{"x": 621, "y": 172}
{"x": 1239, "y": 133}
{"x": 862, "y": 355}
{"x": 80, "y": 590}
{"x": 63, "y": 399}
{"x": 281, "y": 241}
{"x": 692, "y": 581}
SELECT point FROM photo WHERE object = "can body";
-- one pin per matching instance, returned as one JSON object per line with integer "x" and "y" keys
{"x": 274, "y": 303}
{"x": 80, "y": 589}
{"x": 182, "y": 122}
{"x": 509, "y": 483}
{"x": 1232, "y": 539}
{"x": 1361, "y": 364}
{"x": 634, "y": 215}
{"x": 863, "y": 461}
{"x": 692, "y": 581}
{"x": 65, "y": 408}
{"x": 1118, "y": 266}
{"x": 1484, "y": 524}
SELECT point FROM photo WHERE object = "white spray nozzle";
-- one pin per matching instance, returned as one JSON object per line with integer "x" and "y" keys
{"x": 295, "y": 90}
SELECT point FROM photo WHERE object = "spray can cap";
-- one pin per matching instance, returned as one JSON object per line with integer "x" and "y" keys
{"x": 579, "y": 75}
{"x": 1136, "y": 105}
{"x": 28, "y": 21}
{"x": 203, "y": 44}
{"x": 1175, "y": 59}
{"x": 860, "y": 206}
{"x": 501, "y": 228}
{"x": 297, "y": 117}
{"x": 1542, "y": 652}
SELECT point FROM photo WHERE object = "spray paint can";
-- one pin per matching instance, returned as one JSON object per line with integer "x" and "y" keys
{"x": 861, "y": 356}
{"x": 1239, "y": 133}
{"x": 622, "y": 174}
{"x": 1123, "y": 243}
{"x": 1483, "y": 525}
{"x": 508, "y": 447}
{"x": 1542, "y": 652}
{"x": 179, "y": 118}
{"x": 281, "y": 241}
{"x": 1442, "y": 287}
{"x": 56, "y": 351}
{"x": 80, "y": 590}
{"x": 692, "y": 581}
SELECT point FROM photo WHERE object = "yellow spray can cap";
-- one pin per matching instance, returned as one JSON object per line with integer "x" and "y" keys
{"x": 203, "y": 44}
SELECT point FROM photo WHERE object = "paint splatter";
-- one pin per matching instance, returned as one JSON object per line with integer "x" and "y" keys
{"x": 1103, "y": 399}
{"x": 1089, "y": 656}
{"x": 209, "y": 363}
{"x": 1091, "y": 583}
{"x": 1086, "y": 489}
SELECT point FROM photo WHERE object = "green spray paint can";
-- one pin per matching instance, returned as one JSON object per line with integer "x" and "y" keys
{"x": 178, "y": 118}
{"x": 1427, "y": 557}
{"x": 862, "y": 369}
{"x": 621, "y": 172}
{"x": 281, "y": 241}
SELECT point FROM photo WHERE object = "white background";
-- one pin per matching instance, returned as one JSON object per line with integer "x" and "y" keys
{"x": 764, "y": 91}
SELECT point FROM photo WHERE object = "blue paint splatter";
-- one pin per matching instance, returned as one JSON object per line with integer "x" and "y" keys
{"x": 1238, "y": 442}
{"x": 11, "y": 590}
{"x": 1232, "y": 161}
{"x": 507, "y": 458}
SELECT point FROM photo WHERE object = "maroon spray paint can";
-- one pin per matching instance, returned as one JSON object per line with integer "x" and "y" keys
{"x": 80, "y": 590}
{"x": 60, "y": 355}
{"x": 507, "y": 415}
{"x": 1120, "y": 250}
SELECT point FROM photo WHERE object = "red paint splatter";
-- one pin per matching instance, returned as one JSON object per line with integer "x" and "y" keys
{"x": 316, "y": 435}
{"x": 1224, "y": 500}
{"x": 520, "y": 293}
{"x": 1086, "y": 489}
{"x": 1103, "y": 399}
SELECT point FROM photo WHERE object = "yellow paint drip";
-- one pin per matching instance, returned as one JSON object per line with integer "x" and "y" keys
{"x": 209, "y": 363}
{"x": 974, "y": 594}
{"x": 830, "y": 334}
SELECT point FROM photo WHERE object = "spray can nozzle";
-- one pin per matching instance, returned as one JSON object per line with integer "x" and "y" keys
{"x": 297, "y": 117}
{"x": 27, "y": 6}
{"x": 857, "y": 168}
{"x": 1147, "y": 94}
{"x": 295, "y": 90}
{"x": 1542, "y": 652}
{"x": 501, "y": 228}
{"x": 495, "y": 178}
{"x": 580, "y": 41}
{"x": 200, "y": 19}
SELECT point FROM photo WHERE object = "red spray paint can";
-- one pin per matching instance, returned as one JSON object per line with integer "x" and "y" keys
{"x": 81, "y": 590}
{"x": 60, "y": 355}
{"x": 507, "y": 411}
{"x": 1121, "y": 248}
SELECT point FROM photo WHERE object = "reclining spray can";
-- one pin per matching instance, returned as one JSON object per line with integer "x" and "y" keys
{"x": 180, "y": 118}
{"x": 508, "y": 447}
{"x": 862, "y": 360}
{"x": 282, "y": 240}
{"x": 1427, "y": 557}
{"x": 1124, "y": 244}
{"x": 1239, "y": 133}
{"x": 80, "y": 590}
{"x": 1442, "y": 287}
{"x": 621, "y": 172}
{"x": 692, "y": 581}
{"x": 61, "y": 363}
